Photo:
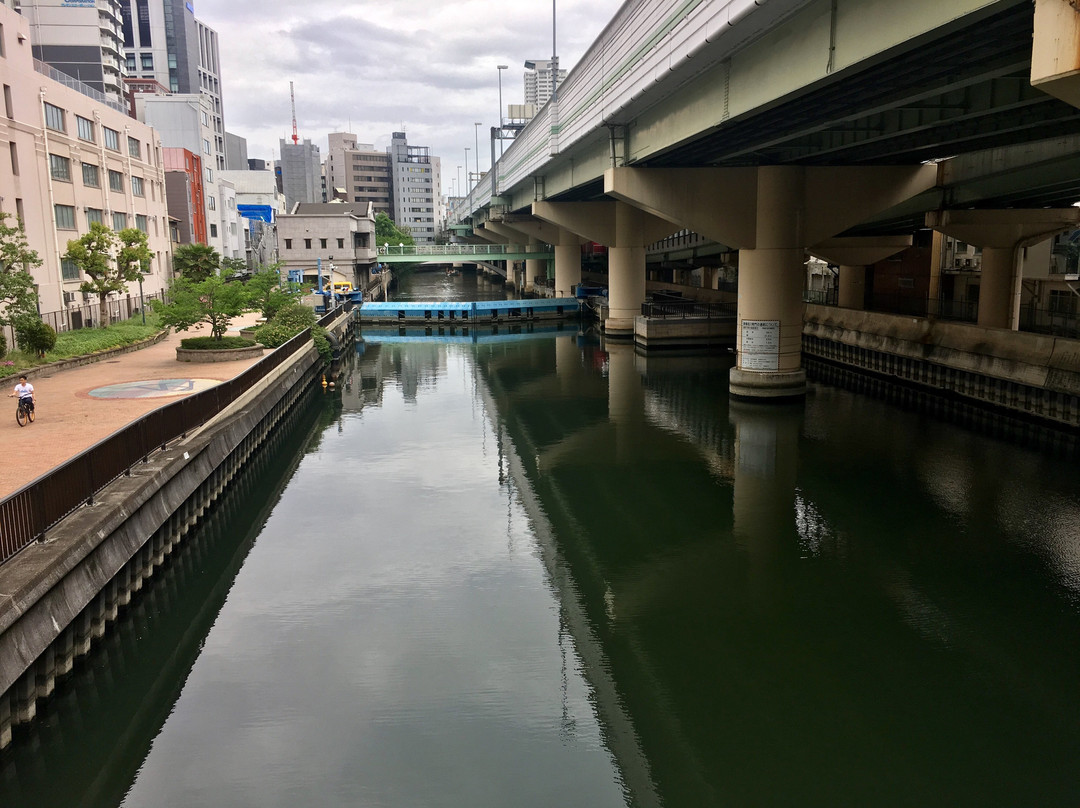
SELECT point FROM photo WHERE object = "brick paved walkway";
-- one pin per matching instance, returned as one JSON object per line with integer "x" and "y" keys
{"x": 69, "y": 419}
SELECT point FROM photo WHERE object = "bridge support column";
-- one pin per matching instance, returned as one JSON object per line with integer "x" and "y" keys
{"x": 770, "y": 213}
{"x": 567, "y": 268}
{"x": 853, "y": 256}
{"x": 626, "y": 231}
{"x": 1002, "y": 234}
{"x": 534, "y": 267}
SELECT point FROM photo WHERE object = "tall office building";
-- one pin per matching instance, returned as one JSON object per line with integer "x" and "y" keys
{"x": 417, "y": 180}
{"x": 538, "y": 81}
{"x": 163, "y": 41}
{"x": 356, "y": 172}
{"x": 300, "y": 170}
{"x": 80, "y": 39}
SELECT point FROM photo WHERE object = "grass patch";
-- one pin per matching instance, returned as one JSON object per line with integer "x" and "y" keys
{"x": 210, "y": 344}
{"x": 84, "y": 341}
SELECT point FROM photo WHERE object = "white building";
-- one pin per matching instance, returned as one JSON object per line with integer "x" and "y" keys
{"x": 186, "y": 122}
{"x": 81, "y": 39}
{"x": 538, "y": 81}
{"x": 87, "y": 163}
{"x": 259, "y": 203}
{"x": 417, "y": 183}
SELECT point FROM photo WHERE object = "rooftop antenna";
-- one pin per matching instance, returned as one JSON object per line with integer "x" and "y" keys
{"x": 292, "y": 100}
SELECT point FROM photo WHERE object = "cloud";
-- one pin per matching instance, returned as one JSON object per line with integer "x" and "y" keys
{"x": 375, "y": 68}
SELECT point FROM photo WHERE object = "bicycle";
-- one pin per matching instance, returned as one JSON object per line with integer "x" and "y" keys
{"x": 24, "y": 411}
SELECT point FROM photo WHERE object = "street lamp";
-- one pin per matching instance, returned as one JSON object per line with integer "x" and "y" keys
{"x": 467, "y": 186}
{"x": 459, "y": 181}
{"x": 554, "y": 58}
{"x": 501, "y": 68}
{"x": 476, "y": 143}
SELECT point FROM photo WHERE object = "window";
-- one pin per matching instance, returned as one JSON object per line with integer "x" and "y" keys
{"x": 60, "y": 167}
{"x": 341, "y": 243}
{"x": 288, "y": 244}
{"x": 54, "y": 117}
{"x": 134, "y": 147}
{"x": 147, "y": 61}
{"x": 129, "y": 62}
{"x": 137, "y": 186}
{"x": 209, "y": 174}
{"x": 206, "y": 145}
{"x": 140, "y": 222}
{"x": 94, "y": 215}
{"x": 69, "y": 270}
{"x": 213, "y": 230}
{"x": 14, "y": 151}
{"x": 211, "y": 202}
{"x": 116, "y": 181}
{"x": 307, "y": 244}
{"x": 112, "y": 138}
{"x": 322, "y": 243}
{"x": 9, "y": 105}
{"x": 65, "y": 217}
{"x": 119, "y": 221}
{"x": 86, "y": 128}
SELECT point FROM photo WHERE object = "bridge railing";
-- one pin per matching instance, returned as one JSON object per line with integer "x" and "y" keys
{"x": 443, "y": 249}
{"x": 687, "y": 309}
{"x": 646, "y": 42}
{"x": 40, "y": 504}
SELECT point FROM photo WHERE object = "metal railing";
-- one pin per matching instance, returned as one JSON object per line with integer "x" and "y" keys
{"x": 40, "y": 504}
{"x": 687, "y": 309}
{"x": 443, "y": 249}
{"x": 88, "y": 314}
{"x": 1053, "y": 321}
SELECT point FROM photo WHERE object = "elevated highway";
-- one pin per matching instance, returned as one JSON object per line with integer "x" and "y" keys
{"x": 777, "y": 127}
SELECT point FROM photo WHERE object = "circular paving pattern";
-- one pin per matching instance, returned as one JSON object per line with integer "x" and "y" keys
{"x": 153, "y": 388}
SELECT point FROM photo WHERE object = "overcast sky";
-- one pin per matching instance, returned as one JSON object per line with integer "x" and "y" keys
{"x": 373, "y": 68}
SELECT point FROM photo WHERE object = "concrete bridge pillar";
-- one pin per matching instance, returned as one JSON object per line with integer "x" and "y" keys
{"x": 534, "y": 267}
{"x": 1002, "y": 234}
{"x": 853, "y": 256}
{"x": 626, "y": 231}
{"x": 771, "y": 214}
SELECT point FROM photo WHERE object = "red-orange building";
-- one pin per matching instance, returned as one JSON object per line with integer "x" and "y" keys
{"x": 184, "y": 193}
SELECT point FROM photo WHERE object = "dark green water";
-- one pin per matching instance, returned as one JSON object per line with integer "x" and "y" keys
{"x": 529, "y": 569}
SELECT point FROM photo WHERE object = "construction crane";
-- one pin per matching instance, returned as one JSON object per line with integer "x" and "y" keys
{"x": 292, "y": 101}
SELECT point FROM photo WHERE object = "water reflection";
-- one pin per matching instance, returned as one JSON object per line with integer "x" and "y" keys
{"x": 537, "y": 568}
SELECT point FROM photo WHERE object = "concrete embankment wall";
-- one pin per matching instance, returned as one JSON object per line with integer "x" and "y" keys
{"x": 58, "y": 596}
{"x": 1030, "y": 375}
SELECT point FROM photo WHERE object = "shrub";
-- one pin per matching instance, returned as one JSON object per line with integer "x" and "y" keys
{"x": 3, "y": 346}
{"x": 35, "y": 336}
{"x": 212, "y": 344}
{"x": 289, "y": 321}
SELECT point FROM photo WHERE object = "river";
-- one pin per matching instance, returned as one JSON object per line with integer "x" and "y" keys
{"x": 529, "y": 568}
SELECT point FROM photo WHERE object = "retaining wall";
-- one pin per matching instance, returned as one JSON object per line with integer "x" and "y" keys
{"x": 1031, "y": 375}
{"x": 57, "y": 596}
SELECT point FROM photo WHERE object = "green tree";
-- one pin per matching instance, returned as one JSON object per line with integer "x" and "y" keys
{"x": 211, "y": 301}
{"x": 18, "y": 298}
{"x": 386, "y": 232}
{"x": 267, "y": 291}
{"x": 196, "y": 262}
{"x": 93, "y": 253}
{"x": 233, "y": 266}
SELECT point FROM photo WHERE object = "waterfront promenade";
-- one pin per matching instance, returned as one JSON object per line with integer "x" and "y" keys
{"x": 74, "y": 413}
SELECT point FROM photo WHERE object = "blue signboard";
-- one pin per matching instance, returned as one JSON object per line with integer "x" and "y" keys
{"x": 264, "y": 213}
{"x": 296, "y": 275}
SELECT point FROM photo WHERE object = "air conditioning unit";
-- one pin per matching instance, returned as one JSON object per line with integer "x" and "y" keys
{"x": 69, "y": 297}
{"x": 86, "y": 297}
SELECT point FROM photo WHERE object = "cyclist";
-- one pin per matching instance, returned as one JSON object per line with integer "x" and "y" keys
{"x": 24, "y": 390}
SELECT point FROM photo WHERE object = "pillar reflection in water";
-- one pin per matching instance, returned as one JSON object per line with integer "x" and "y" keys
{"x": 765, "y": 476}
{"x": 626, "y": 399}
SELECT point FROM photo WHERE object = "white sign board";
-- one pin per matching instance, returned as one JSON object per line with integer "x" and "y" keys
{"x": 760, "y": 345}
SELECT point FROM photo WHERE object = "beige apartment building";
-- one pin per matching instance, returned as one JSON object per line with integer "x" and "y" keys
{"x": 72, "y": 160}
{"x": 334, "y": 239}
